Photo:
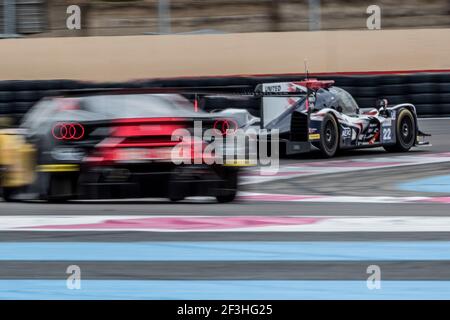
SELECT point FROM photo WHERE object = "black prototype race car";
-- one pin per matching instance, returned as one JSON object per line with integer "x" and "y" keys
{"x": 328, "y": 118}
{"x": 315, "y": 113}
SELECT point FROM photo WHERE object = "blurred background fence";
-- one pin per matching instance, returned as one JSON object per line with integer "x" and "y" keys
{"x": 45, "y": 18}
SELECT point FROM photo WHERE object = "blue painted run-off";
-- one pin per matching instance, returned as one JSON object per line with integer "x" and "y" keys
{"x": 226, "y": 251}
{"x": 222, "y": 289}
{"x": 431, "y": 184}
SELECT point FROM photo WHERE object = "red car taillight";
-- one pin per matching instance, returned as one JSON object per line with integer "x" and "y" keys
{"x": 163, "y": 127}
{"x": 68, "y": 131}
{"x": 145, "y": 130}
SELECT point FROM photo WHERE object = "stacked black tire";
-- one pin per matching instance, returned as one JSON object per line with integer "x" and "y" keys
{"x": 429, "y": 92}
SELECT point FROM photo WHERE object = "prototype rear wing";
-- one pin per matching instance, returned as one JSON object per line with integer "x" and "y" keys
{"x": 277, "y": 98}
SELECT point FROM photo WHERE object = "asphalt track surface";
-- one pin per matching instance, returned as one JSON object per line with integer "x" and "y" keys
{"x": 427, "y": 274}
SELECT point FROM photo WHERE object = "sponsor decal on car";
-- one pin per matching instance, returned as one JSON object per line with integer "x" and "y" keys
{"x": 394, "y": 114}
{"x": 274, "y": 88}
{"x": 387, "y": 134}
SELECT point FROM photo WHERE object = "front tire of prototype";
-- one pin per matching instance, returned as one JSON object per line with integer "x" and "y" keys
{"x": 405, "y": 131}
{"x": 329, "y": 137}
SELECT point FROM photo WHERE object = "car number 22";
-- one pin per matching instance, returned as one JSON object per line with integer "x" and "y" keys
{"x": 387, "y": 134}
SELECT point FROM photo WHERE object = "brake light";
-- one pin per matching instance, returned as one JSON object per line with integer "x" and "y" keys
{"x": 68, "y": 131}
{"x": 144, "y": 130}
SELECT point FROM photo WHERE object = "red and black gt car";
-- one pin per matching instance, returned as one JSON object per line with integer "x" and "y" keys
{"x": 112, "y": 145}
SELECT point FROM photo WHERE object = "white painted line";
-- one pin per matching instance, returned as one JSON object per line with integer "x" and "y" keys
{"x": 443, "y": 118}
{"x": 374, "y": 224}
{"x": 264, "y": 197}
{"x": 226, "y": 223}
{"x": 303, "y": 169}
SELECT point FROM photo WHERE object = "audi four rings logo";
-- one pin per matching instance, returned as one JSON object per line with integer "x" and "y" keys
{"x": 224, "y": 125}
{"x": 68, "y": 131}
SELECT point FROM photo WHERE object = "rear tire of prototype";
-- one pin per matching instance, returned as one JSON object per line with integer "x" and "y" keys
{"x": 405, "y": 132}
{"x": 329, "y": 137}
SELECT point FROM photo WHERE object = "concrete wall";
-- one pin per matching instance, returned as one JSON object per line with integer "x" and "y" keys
{"x": 143, "y": 57}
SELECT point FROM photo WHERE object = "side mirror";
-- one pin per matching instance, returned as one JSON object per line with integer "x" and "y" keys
{"x": 381, "y": 104}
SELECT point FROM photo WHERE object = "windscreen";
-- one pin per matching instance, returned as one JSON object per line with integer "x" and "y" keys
{"x": 139, "y": 105}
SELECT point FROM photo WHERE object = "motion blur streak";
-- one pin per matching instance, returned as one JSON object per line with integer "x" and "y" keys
{"x": 217, "y": 256}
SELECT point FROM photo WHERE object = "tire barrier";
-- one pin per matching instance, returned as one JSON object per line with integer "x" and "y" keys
{"x": 429, "y": 92}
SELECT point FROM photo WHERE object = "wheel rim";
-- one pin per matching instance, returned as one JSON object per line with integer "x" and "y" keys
{"x": 406, "y": 130}
{"x": 330, "y": 136}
